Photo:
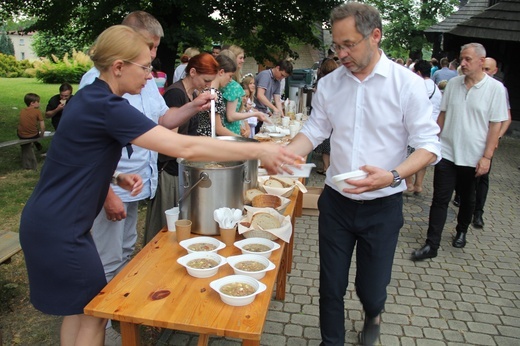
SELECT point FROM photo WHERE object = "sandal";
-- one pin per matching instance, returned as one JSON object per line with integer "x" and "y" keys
{"x": 321, "y": 171}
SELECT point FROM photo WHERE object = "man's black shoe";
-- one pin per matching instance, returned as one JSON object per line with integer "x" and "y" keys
{"x": 460, "y": 240}
{"x": 371, "y": 330}
{"x": 456, "y": 201}
{"x": 478, "y": 222}
{"x": 424, "y": 253}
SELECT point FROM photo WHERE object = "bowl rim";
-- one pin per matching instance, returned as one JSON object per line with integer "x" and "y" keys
{"x": 183, "y": 260}
{"x": 218, "y": 283}
{"x": 349, "y": 175}
{"x": 239, "y": 244}
{"x": 202, "y": 239}
{"x": 259, "y": 258}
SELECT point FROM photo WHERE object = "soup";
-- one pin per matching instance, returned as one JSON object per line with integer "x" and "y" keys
{"x": 250, "y": 266}
{"x": 237, "y": 289}
{"x": 256, "y": 247}
{"x": 202, "y": 263}
{"x": 202, "y": 247}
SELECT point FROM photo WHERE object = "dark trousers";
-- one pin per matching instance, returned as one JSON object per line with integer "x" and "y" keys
{"x": 481, "y": 190}
{"x": 446, "y": 176}
{"x": 373, "y": 228}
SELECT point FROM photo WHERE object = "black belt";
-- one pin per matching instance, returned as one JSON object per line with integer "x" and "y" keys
{"x": 376, "y": 201}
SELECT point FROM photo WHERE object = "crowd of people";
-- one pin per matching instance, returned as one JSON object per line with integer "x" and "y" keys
{"x": 119, "y": 135}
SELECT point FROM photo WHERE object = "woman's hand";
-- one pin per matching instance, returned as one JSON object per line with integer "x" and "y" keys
{"x": 275, "y": 158}
{"x": 203, "y": 101}
{"x": 262, "y": 117}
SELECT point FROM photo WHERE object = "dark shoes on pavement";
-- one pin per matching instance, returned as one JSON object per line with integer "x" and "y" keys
{"x": 424, "y": 253}
{"x": 478, "y": 222}
{"x": 371, "y": 330}
{"x": 460, "y": 240}
{"x": 456, "y": 201}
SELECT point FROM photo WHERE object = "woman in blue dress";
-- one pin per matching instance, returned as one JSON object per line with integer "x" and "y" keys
{"x": 63, "y": 265}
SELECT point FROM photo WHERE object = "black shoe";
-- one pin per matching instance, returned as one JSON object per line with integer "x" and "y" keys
{"x": 460, "y": 240}
{"x": 424, "y": 253}
{"x": 456, "y": 201}
{"x": 38, "y": 146}
{"x": 371, "y": 329}
{"x": 478, "y": 222}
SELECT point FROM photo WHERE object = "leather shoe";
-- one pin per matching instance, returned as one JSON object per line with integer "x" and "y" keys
{"x": 456, "y": 201}
{"x": 423, "y": 253}
{"x": 460, "y": 240}
{"x": 371, "y": 330}
{"x": 478, "y": 222}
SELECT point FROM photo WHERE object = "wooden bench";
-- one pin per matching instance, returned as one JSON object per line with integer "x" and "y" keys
{"x": 28, "y": 157}
{"x": 9, "y": 246}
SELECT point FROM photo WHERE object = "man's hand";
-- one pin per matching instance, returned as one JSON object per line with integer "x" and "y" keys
{"x": 482, "y": 166}
{"x": 203, "y": 101}
{"x": 131, "y": 182}
{"x": 114, "y": 207}
{"x": 377, "y": 178}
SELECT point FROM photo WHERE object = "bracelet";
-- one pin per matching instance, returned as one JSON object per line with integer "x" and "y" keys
{"x": 114, "y": 177}
{"x": 489, "y": 158}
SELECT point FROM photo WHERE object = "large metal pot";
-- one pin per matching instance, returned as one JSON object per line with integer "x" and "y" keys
{"x": 251, "y": 177}
{"x": 206, "y": 186}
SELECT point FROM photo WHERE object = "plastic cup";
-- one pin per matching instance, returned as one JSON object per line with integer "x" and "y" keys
{"x": 183, "y": 228}
{"x": 293, "y": 130}
{"x": 228, "y": 235}
{"x": 299, "y": 116}
{"x": 286, "y": 121}
{"x": 172, "y": 215}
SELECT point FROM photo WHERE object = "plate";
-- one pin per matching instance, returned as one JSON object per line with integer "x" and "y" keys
{"x": 276, "y": 135}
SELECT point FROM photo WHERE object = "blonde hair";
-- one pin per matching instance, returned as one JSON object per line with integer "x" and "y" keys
{"x": 118, "y": 42}
{"x": 245, "y": 85}
{"x": 191, "y": 52}
{"x": 237, "y": 51}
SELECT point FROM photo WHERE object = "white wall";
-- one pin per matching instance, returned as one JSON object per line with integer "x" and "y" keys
{"x": 23, "y": 46}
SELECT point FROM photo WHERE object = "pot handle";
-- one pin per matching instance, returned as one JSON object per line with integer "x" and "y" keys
{"x": 247, "y": 178}
{"x": 203, "y": 176}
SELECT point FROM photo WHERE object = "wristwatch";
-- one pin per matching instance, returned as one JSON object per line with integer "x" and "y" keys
{"x": 114, "y": 177}
{"x": 397, "y": 179}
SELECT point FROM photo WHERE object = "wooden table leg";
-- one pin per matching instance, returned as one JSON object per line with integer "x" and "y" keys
{"x": 250, "y": 342}
{"x": 130, "y": 334}
{"x": 203, "y": 340}
{"x": 281, "y": 279}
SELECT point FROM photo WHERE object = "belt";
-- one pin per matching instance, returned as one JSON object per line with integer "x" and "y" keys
{"x": 380, "y": 200}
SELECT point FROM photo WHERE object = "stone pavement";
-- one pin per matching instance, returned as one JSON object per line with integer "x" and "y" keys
{"x": 467, "y": 296}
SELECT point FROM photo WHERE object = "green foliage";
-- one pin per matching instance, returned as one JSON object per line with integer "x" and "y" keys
{"x": 11, "y": 68}
{"x": 46, "y": 43}
{"x": 64, "y": 70}
{"x": 6, "y": 45}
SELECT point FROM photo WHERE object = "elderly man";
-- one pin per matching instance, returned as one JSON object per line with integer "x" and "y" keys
{"x": 472, "y": 110}
{"x": 371, "y": 130}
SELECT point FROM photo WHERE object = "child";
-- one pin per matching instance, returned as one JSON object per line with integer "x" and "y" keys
{"x": 248, "y": 84}
{"x": 29, "y": 118}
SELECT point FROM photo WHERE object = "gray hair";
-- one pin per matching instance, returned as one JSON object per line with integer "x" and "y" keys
{"x": 144, "y": 21}
{"x": 367, "y": 18}
{"x": 479, "y": 49}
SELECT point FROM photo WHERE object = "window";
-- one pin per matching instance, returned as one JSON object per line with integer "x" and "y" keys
{"x": 23, "y": 55}
{"x": 22, "y": 42}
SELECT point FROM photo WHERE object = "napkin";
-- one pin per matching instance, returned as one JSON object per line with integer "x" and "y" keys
{"x": 227, "y": 217}
{"x": 284, "y": 232}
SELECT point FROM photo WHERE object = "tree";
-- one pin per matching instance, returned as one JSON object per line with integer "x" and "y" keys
{"x": 6, "y": 45}
{"x": 262, "y": 27}
{"x": 405, "y": 20}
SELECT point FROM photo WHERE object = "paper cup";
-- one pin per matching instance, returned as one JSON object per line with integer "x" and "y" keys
{"x": 228, "y": 235}
{"x": 172, "y": 215}
{"x": 183, "y": 229}
{"x": 293, "y": 130}
{"x": 299, "y": 116}
{"x": 286, "y": 121}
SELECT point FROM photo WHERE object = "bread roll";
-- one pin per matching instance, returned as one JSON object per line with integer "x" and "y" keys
{"x": 286, "y": 182}
{"x": 250, "y": 194}
{"x": 263, "y": 221}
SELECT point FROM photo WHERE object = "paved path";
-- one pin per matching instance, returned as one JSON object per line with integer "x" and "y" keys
{"x": 467, "y": 296}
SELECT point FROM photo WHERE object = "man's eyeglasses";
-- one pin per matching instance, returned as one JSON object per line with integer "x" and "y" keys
{"x": 147, "y": 69}
{"x": 336, "y": 48}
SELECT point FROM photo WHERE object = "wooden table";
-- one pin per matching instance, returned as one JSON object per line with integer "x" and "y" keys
{"x": 9, "y": 246}
{"x": 154, "y": 290}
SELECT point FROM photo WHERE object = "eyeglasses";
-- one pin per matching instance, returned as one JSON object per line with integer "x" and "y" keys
{"x": 336, "y": 48}
{"x": 147, "y": 69}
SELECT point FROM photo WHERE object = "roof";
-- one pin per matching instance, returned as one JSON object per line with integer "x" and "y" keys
{"x": 498, "y": 22}
{"x": 472, "y": 8}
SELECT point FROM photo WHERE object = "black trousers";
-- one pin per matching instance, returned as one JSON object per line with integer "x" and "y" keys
{"x": 446, "y": 176}
{"x": 481, "y": 190}
{"x": 373, "y": 228}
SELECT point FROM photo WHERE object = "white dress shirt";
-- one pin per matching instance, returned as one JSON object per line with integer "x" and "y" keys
{"x": 373, "y": 120}
{"x": 143, "y": 161}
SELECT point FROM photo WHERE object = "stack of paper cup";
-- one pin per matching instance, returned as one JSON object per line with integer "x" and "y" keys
{"x": 172, "y": 215}
{"x": 286, "y": 121}
{"x": 293, "y": 129}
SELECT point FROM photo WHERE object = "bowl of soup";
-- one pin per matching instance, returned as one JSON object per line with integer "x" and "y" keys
{"x": 237, "y": 290}
{"x": 202, "y": 244}
{"x": 202, "y": 264}
{"x": 255, "y": 266}
{"x": 257, "y": 246}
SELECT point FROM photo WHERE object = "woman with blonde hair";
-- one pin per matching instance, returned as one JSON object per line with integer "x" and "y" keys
{"x": 240, "y": 57}
{"x": 63, "y": 265}
{"x": 180, "y": 70}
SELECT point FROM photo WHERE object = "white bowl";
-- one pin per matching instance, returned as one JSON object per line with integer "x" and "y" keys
{"x": 217, "y": 243}
{"x": 237, "y": 301}
{"x": 234, "y": 260}
{"x": 278, "y": 191}
{"x": 276, "y": 135}
{"x": 202, "y": 273}
{"x": 47, "y": 133}
{"x": 339, "y": 179}
{"x": 269, "y": 243}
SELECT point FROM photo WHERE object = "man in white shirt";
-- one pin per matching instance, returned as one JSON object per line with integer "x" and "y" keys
{"x": 375, "y": 108}
{"x": 472, "y": 110}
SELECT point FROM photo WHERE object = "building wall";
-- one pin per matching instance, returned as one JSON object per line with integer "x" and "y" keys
{"x": 22, "y": 46}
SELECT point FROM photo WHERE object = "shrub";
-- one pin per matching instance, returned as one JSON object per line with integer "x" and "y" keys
{"x": 66, "y": 69}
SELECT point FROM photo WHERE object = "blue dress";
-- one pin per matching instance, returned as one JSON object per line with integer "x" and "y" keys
{"x": 64, "y": 268}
